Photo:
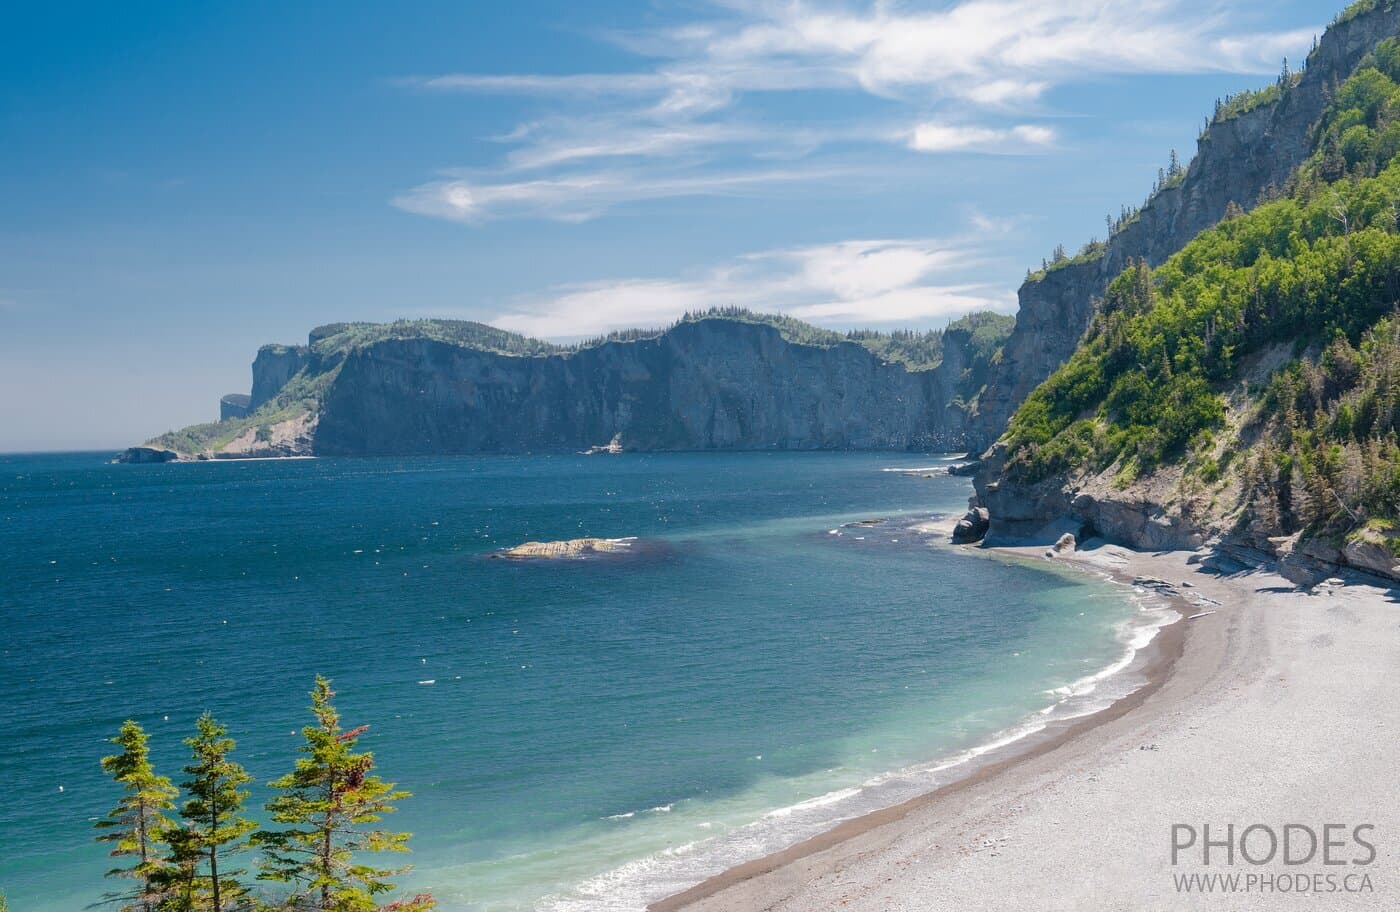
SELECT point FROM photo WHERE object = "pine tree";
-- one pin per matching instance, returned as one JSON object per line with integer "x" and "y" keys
{"x": 136, "y": 826}
{"x": 212, "y": 823}
{"x": 180, "y": 887}
{"x": 328, "y": 802}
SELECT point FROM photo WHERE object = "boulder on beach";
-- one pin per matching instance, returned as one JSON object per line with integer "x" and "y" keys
{"x": 571, "y": 549}
{"x": 972, "y": 527}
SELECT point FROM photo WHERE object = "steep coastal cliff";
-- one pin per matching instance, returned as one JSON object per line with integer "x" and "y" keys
{"x": 734, "y": 381}
{"x": 1245, "y": 393}
{"x": 1246, "y": 154}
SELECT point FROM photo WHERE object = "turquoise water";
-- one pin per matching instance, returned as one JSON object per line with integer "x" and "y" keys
{"x": 599, "y": 733}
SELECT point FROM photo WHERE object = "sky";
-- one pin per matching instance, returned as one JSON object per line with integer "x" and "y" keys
{"x": 183, "y": 182}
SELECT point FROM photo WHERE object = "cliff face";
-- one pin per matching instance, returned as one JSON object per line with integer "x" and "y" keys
{"x": 1237, "y": 160}
{"x": 710, "y": 384}
{"x": 234, "y": 405}
{"x": 726, "y": 382}
{"x": 274, "y": 366}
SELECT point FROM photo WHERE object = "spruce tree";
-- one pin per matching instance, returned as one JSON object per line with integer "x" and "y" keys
{"x": 213, "y": 829}
{"x": 180, "y": 887}
{"x": 136, "y": 827}
{"x": 329, "y": 803}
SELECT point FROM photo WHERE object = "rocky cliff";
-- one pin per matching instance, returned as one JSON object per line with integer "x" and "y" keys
{"x": 712, "y": 382}
{"x": 1245, "y": 394}
{"x": 1239, "y": 159}
{"x": 273, "y": 368}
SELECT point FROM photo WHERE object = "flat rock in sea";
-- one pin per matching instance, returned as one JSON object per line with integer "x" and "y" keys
{"x": 572, "y": 549}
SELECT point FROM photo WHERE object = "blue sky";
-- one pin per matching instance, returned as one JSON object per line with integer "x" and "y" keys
{"x": 183, "y": 182}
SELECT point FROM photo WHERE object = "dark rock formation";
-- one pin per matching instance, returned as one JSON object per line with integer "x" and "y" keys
{"x": 708, "y": 384}
{"x": 972, "y": 527}
{"x": 234, "y": 405}
{"x": 146, "y": 454}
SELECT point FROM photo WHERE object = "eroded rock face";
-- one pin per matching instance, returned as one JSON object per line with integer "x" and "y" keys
{"x": 293, "y": 437}
{"x": 710, "y": 384}
{"x": 1236, "y": 161}
{"x": 1371, "y": 556}
{"x": 272, "y": 368}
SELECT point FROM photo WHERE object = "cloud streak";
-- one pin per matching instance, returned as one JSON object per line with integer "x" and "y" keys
{"x": 581, "y": 196}
{"x": 970, "y": 76}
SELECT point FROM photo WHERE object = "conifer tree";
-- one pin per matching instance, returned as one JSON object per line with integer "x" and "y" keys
{"x": 136, "y": 827}
{"x": 213, "y": 828}
{"x": 329, "y": 803}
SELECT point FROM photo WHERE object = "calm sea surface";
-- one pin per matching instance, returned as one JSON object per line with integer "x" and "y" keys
{"x": 596, "y": 733}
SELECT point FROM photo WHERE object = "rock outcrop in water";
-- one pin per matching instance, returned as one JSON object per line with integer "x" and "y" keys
{"x": 728, "y": 382}
{"x": 572, "y": 549}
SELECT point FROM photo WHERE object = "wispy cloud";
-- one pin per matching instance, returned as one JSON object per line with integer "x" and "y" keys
{"x": 969, "y": 76}
{"x": 580, "y": 196}
{"x": 847, "y": 283}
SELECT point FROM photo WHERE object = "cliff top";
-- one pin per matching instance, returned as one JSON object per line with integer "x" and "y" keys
{"x": 916, "y": 350}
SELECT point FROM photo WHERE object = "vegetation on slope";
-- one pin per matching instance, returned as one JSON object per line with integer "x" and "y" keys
{"x": 338, "y": 339}
{"x": 1319, "y": 270}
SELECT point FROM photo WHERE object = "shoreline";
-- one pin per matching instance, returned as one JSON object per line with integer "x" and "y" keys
{"x": 1154, "y": 661}
{"x": 940, "y": 850}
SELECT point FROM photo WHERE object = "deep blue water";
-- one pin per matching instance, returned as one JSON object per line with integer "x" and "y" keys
{"x": 598, "y": 731}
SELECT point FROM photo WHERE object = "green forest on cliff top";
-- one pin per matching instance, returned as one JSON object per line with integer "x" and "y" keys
{"x": 984, "y": 331}
{"x": 1315, "y": 271}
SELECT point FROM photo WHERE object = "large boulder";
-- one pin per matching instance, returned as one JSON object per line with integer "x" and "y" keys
{"x": 972, "y": 527}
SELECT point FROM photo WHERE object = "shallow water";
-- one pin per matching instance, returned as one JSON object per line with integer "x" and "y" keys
{"x": 598, "y": 733}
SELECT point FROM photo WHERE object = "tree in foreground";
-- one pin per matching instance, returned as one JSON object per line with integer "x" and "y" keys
{"x": 213, "y": 828}
{"x": 137, "y": 825}
{"x": 329, "y": 803}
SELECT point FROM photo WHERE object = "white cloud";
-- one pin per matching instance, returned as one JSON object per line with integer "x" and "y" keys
{"x": 848, "y": 283}
{"x": 971, "y": 73}
{"x": 941, "y": 137}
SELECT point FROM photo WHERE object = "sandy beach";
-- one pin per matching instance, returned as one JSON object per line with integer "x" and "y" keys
{"x": 1281, "y": 707}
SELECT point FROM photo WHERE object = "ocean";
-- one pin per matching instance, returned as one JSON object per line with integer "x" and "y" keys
{"x": 579, "y": 735}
